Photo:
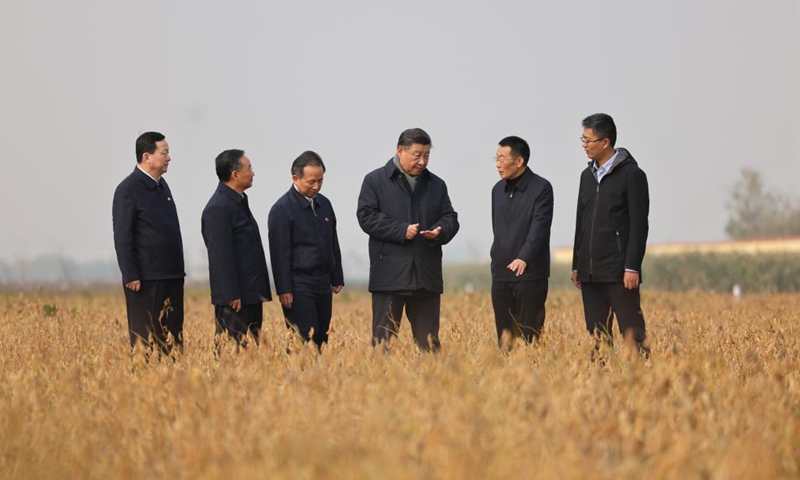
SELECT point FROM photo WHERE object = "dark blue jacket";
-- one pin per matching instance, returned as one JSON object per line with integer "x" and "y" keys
{"x": 521, "y": 219}
{"x": 303, "y": 244}
{"x": 237, "y": 266}
{"x": 611, "y": 225}
{"x": 147, "y": 235}
{"x": 386, "y": 207}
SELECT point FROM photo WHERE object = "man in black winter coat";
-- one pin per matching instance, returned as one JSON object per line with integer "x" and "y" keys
{"x": 147, "y": 240}
{"x": 406, "y": 211}
{"x": 237, "y": 266}
{"x": 610, "y": 234}
{"x": 304, "y": 250}
{"x": 522, "y": 213}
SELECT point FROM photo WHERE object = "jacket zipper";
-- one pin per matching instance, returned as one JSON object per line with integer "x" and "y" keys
{"x": 619, "y": 244}
{"x": 591, "y": 234}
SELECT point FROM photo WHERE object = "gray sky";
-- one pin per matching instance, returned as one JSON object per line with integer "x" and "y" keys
{"x": 699, "y": 90}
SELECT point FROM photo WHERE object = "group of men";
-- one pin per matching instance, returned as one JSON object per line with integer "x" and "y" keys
{"x": 406, "y": 211}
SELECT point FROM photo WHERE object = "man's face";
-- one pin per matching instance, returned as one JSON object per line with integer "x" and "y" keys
{"x": 508, "y": 165}
{"x": 414, "y": 159}
{"x": 157, "y": 163}
{"x": 243, "y": 177}
{"x": 594, "y": 146}
{"x": 311, "y": 182}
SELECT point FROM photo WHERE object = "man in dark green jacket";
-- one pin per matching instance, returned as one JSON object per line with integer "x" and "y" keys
{"x": 610, "y": 234}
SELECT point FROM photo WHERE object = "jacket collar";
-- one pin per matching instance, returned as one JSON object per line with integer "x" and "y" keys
{"x": 524, "y": 180}
{"x": 300, "y": 199}
{"x": 624, "y": 157}
{"x": 391, "y": 169}
{"x": 230, "y": 193}
{"x": 147, "y": 179}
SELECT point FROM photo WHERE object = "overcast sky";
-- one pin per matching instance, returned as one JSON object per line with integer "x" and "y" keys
{"x": 699, "y": 90}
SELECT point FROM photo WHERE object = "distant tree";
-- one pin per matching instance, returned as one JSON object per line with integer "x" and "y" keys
{"x": 758, "y": 213}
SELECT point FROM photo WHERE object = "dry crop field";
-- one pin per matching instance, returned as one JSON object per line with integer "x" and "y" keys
{"x": 720, "y": 398}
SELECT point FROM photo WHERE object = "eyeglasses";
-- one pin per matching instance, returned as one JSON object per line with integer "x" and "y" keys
{"x": 503, "y": 159}
{"x": 585, "y": 140}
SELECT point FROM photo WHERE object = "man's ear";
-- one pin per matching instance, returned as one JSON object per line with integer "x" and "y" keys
{"x": 399, "y": 150}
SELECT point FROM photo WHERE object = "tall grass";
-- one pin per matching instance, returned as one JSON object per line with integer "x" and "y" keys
{"x": 720, "y": 398}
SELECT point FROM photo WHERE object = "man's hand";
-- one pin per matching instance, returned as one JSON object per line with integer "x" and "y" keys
{"x": 134, "y": 286}
{"x": 286, "y": 299}
{"x": 236, "y": 305}
{"x": 412, "y": 231}
{"x": 575, "y": 280}
{"x": 631, "y": 280}
{"x": 337, "y": 288}
{"x": 431, "y": 234}
{"x": 517, "y": 266}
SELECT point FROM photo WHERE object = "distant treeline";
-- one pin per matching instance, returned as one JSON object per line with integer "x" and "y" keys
{"x": 719, "y": 272}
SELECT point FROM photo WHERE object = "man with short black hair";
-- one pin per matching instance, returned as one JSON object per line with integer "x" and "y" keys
{"x": 522, "y": 213}
{"x": 149, "y": 247}
{"x": 610, "y": 235}
{"x": 406, "y": 211}
{"x": 237, "y": 266}
{"x": 304, "y": 251}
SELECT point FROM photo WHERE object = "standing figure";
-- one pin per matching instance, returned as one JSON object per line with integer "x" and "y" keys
{"x": 522, "y": 213}
{"x": 237, "y": 266}
{"x": 610, "y": 235}
{"x": 147, "y": 239}
{"x": 304, "y": 251}
{"x": 406, "y": 211}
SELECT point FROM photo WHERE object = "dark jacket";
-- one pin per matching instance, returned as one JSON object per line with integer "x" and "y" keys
{"x": 611, "y": 226}
{"x": 303, "y": 244}
{"x": 237, "y": 266}
{"x": 386, "y": 207}
{"x": 521, "y": 219}
{"x": 147, "y": 235}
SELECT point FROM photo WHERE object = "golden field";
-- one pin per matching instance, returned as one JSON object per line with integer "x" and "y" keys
{"x": 720, "y": 398}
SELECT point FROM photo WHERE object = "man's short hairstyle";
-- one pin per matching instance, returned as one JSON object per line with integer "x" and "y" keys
{"x": 413, "y": 135}
{"x": 146, "y": 143}
{"x": 228, "y": 162}
{"x": 603, "y": 126}
{"x": 518, "y": 146}
{"x": 306, "y": 159}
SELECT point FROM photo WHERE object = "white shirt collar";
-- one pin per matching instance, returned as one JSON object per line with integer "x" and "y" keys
{"x": 145, "y": 172}
{"x": 298, "y": 191}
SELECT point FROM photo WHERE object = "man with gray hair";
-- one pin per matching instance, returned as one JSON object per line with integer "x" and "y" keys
{"x": 406, "y": 211}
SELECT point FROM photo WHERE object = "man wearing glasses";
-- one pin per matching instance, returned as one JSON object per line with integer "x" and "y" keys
{"x": 522, "y": 213}
{"x": 610, "y": 235}
{"x": 406, "y": 211}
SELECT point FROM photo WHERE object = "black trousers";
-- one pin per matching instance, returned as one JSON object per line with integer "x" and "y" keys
{"x": 519, "y": 308}
{"x": 236, "y": 324}
{"x": 155, "y": 312}
{"x": 310, "y": 311}
{"x": 603, "y": 300}
{"x": 422, "y": 309}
